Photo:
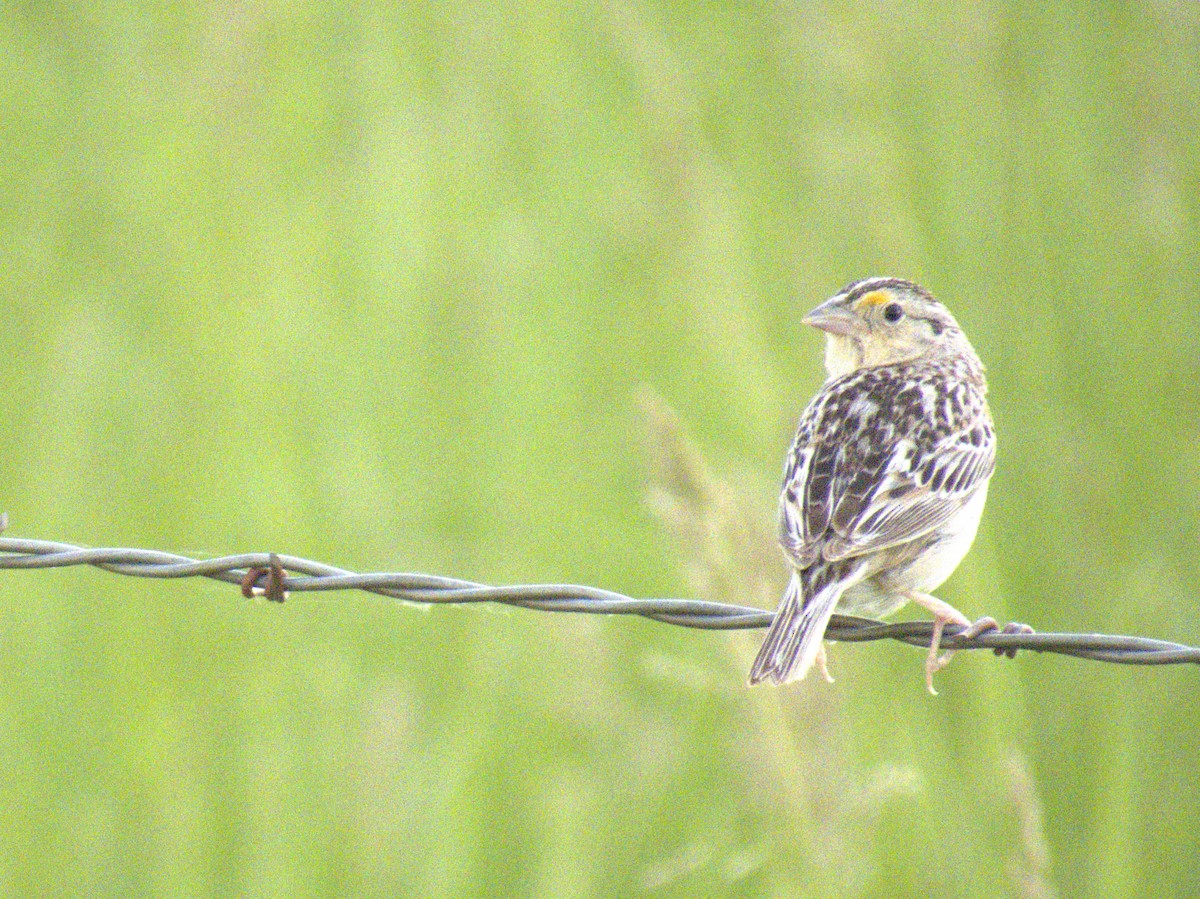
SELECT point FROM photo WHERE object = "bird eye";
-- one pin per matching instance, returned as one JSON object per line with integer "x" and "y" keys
{"x": 892, "y": 313}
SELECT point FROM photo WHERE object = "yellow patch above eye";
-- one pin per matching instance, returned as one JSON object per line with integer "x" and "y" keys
{"x": 874, "y": 298}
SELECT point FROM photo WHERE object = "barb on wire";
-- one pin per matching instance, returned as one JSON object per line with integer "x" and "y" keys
{"x": 280, "y": 575}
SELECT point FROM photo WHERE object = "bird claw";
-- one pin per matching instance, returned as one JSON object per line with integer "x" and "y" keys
{"x": 933, "y": 665}
{"x": 933, "y": 662}
{"x": 984, "y": 625}
{"x": 1013, "y": 627}
{"x": 987, "y": 624}
{"x": 822, "y": 663}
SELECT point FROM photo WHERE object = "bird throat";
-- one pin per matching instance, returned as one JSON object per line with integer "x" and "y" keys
{"x": 842, "y": 355}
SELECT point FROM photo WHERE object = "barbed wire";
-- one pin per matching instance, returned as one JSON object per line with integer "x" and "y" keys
{"x": 275, "y": 576}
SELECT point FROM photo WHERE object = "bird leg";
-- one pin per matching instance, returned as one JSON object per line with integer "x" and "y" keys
{"x": 822, "y": 663}
{"x": 943, "y": 614}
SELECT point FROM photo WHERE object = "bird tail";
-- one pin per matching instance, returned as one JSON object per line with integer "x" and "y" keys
{"x": 795, "y": 635}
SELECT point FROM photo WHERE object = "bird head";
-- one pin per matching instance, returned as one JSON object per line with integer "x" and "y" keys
{"x": 884, "y": 321}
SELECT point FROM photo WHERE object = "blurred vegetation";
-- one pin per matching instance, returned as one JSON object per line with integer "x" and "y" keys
{"x": 379, "y": 284}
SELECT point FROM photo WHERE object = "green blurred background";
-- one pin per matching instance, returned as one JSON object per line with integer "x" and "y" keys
{"x": 380, "y": 285}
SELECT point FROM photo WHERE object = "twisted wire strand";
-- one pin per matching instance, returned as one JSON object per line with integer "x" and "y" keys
{"x": 305, "y": 575}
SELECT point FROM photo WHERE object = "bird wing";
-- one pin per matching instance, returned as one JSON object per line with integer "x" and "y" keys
{"x": 804, "y": 505}
{"x": 856, "y": 482}
{"x": 911, "y": 500}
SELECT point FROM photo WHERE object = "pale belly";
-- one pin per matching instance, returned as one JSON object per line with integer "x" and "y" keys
{"x": 936, "y": 557}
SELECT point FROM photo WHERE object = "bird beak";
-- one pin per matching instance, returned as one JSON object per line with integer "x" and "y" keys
{"x": 832, "y": 318}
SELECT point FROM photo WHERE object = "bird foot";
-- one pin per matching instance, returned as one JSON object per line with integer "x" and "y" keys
{"x": 935, "y": 662}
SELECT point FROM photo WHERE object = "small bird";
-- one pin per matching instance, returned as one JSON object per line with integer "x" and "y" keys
{"x": 887, "y": 476}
